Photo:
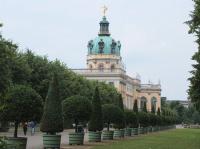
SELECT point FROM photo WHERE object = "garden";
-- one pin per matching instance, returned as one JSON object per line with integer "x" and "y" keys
{"x": 33, "y": 88}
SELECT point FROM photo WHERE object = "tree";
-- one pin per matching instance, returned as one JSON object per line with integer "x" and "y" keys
{"x": 22, "y": 104}
{"x": 78, "y": 109}
{"x": 112, "y": 114}
{"x": 194, "y": 25}
{"x": 120, "y": 103}
{"x": 96, "y": 121}
{"x": 144, "y": 108}
{"x": 143, "y": 119}
{"x": 196, "y": 117}
{"x": 135, "y": 106}
{"x": 130, "y": 118}
{"x": 7, "y": 55}
{"x": 108, "y": 93}
{"x": 3, "y": 144}
{"x": 152, "y": 119}
{"x": 158, "y": 112}
{"x": 52, "y": 119}
{"x": 153, "y": 109}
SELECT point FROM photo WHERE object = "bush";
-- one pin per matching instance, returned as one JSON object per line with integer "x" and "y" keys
{"x": 21, "y": 105}
{"x": 143, "y": 119}
{"x": 3, "y": 144}
{"x": 96, "y": 121}
{"x": 135, "y": 107}
{"x": 130, "y": 118}
{"x": 78, "y": 109}
{"x": 52, "y": 120}
{"x": 158, "y": 120}
{"x": 113, "y": 114}
{"x": 152, "y": 119}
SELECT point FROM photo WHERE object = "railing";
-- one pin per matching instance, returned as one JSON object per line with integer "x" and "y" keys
{"x": 99, "y": 71}
{"x": 151, "y": 86}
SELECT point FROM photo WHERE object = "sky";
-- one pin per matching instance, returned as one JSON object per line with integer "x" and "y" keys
{"x": 154, "y": 38}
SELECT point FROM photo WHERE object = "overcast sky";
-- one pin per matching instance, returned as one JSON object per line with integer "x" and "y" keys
{"x": 154, "y": 38}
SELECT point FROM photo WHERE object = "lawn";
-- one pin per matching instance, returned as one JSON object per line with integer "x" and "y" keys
{"x": 172, "y": 139}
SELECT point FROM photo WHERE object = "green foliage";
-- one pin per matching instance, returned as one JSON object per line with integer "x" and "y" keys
{"x": 120, "y": 103}
{"x": 7, "y": 55}
{"x": 176, "y": 108}
{"x": 130, "y": 118}
{"x": 152, "y": 119}
{"x": 112, "y": 114}
{"x": 194, "y": 25}
{"x": 77, "y": 108}
{"x": 153, "y": 109}
{"x": 143, "y": 119}
{"x": 52, "y": 120}
{"x": 96, "y": 121}
{"x": 196, "y": 117}
{"x": 108, "y": 93}
{"x": 21, "y": 105}
{"x": 135, "y": 106}
{"x": 158, "y": 120}
{"x": 158, "y": 112}
{"x": 144, "y": 109}
{"x": 3, "y": 144}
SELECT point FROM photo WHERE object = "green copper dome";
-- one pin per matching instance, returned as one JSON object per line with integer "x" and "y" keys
{"x": 104, "y": 44}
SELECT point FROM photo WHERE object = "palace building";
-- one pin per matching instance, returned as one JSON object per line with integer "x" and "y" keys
{"x": 104, "y": 63}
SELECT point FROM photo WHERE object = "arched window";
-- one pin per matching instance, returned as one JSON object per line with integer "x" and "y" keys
{"x": 153, "y": 103}
{"x": 143, "y": 103}
{"x": 101, "y": 67}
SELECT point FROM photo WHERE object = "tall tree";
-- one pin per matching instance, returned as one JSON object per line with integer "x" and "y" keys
{"x": 135, "y": 107}
{"x": 158, "y": 112}
{"x": 120, "y": 104}
{"x": 144, "y": 109}
{"x": 194, "y": 25}
{"x": 153, "y": 109}
{"x": 52, "y": 119}
{"x": 96, "y": 121}
{"x": 7, "y": 54}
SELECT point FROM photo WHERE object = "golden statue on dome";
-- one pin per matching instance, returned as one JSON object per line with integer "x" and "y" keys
{"x": 104, "y": 9}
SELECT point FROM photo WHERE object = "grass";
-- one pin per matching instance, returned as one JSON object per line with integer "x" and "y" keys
{"x": 172, "y": 139}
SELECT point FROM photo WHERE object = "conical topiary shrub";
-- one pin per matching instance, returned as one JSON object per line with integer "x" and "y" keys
{"x": 52, "y": 120}
{"x": 96, "y": 122}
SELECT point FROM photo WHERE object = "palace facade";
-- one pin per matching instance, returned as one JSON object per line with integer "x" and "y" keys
{"x": 104, "y": 63}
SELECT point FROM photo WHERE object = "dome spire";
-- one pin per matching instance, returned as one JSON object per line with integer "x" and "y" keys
{"x": 104, "y": 24}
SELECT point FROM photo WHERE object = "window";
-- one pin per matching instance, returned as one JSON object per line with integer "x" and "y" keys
{"x": 101, "y": 67}
{"x": 153, "y": 103}
{"x": 90, "y": 66}
{"x": 112, "y": 68}
{"x": 143, "y": 102}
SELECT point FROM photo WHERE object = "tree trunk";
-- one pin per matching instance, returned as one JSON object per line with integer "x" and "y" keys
{"x": 16, "y": 129}
{"x": 76, "y": 125}
{"x": 108, "y": 128}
